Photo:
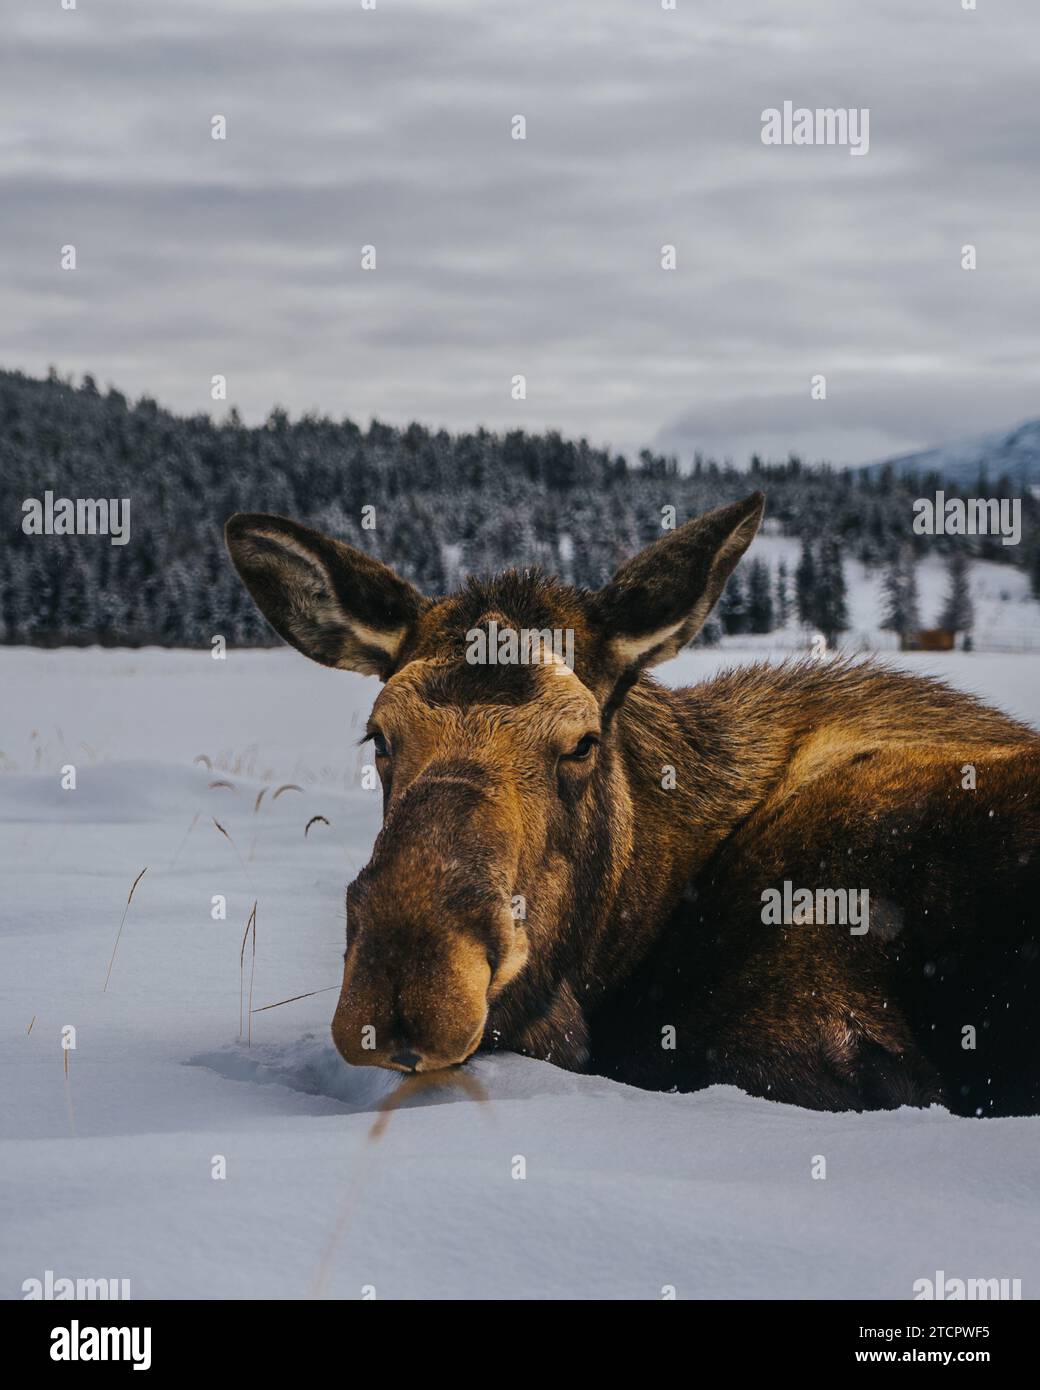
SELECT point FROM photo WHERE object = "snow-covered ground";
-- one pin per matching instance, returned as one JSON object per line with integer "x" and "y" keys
{"x": 107, "y": 1173}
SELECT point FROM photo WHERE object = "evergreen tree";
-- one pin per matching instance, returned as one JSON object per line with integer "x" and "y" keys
{"x": 958, "y": 611}
{"x": 830, "y": 609}
{"x": 733, "y": 606}
{"x": 901, "y": 612}
{"x": 759, "y": 597}
{"x": 783, "y": 595}
{"x": 805, "y": 585}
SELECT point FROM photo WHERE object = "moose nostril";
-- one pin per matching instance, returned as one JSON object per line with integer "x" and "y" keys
{"x": 406, "y": 1059}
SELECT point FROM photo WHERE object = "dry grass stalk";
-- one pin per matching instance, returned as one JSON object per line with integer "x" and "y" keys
{"x": 68, "y": 1093}
{"x": 410, "y": 1086}
{"x": 119, "y": 933}
{"x": 229, "y": 840}
{"x": 286, "y": 787}
{"x": 292, "y": 1000}
{"x": 424, "y": 1081}
{"x": 190, "y": 828}
{"x": 250, "y": 923}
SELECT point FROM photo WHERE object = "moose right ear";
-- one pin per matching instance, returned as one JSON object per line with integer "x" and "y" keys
{"x": 335, "y": 604}
{"x": 657, "y": 602}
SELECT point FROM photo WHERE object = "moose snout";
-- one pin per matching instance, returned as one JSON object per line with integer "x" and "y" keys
{"x": 426, "y": 1033}
{"x": 431, "y": 936}
{"x": 414, "y": 999}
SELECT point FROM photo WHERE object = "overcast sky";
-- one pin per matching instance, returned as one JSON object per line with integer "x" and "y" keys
{"x": 542, "y": 257}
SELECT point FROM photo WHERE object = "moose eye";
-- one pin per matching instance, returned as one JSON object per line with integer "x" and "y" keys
{"x": 380, "y": 744}
{"x": 582, "y": 748}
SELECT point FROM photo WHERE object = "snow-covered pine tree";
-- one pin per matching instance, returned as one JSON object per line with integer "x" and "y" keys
{"x": 831, "y": 613}
{"x": 760, "y": 615}
{"x": 783, "y": 595}
{"x": 901, "y": 613}
{"x": 805, "y": 585}
{"x": 958, "y": 611}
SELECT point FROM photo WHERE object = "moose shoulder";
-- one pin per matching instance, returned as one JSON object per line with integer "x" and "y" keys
{"x": 816, "y": 881}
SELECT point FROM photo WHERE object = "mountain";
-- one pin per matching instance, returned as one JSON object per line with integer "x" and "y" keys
{"x": 1015, "y": 453}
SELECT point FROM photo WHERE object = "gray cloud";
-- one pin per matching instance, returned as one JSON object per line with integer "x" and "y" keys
{"x": 495, "y": 257}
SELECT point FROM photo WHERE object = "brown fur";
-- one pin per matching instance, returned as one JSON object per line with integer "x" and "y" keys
{"x": 643, "y": 900}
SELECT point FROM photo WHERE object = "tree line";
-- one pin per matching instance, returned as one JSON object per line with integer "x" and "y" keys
{"x": 437, "y": 506}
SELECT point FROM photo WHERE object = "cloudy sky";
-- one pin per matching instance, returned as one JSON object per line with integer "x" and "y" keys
{"x": 391, "y": 127}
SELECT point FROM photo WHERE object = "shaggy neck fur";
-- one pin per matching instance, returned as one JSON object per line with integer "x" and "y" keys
{"x": 681, "y": 771}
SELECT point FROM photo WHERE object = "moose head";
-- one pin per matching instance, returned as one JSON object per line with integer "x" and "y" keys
{"x": 514, "y": 742}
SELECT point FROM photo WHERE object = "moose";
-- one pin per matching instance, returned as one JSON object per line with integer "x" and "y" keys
{"x": 573, "y": 858}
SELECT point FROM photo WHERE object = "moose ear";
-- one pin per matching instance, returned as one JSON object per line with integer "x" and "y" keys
{"x": 335, "y": 604}
{"x": 656, "y": 602}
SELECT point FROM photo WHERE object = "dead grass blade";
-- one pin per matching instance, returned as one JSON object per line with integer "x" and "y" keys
{"x": 286, "y": 787}
{"x": 68, "y": 1093}
{"x": 229, "y": 840}
{"x": 119, "y": 933}
{"x": 191, "y": 827}
{"x": 252, "y": 972}
{"x": 292, "y": 1000}
{"x": 30, "y": 1027}
{"x": 201, "y": 758}
{"x": 260, "y": 797}
{"x": 424, "y": 1081}
{"x": 214, "y": 785}
{"x": 410, "y": 1086}
{"x": 250, "y": 922}
{"x": 311, "y": 822}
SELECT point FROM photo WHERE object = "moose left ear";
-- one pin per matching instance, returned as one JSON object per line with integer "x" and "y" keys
{"x": 657, "y": 602}
{"x": 335, "y": 604}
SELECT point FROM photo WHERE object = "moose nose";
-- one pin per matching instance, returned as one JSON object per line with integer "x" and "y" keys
{"x": 406, "y": 1059}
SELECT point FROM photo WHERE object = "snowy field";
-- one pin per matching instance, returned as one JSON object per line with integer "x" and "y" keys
{"x": 106, "y": 1172}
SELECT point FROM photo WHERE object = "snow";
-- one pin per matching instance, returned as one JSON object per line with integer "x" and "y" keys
{"x": 108, "y": 1174}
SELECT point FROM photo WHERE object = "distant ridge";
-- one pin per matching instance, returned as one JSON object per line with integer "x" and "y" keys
{"x": 1014, "y": 453}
